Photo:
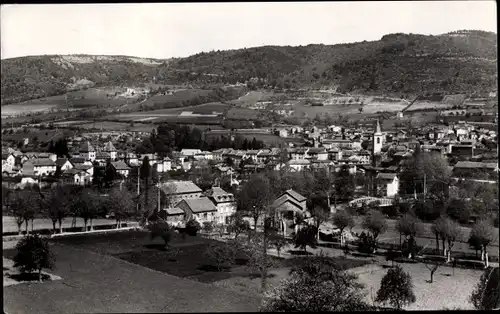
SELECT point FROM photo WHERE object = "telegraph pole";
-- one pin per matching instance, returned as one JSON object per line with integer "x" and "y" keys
{"x": 424, "y": 187}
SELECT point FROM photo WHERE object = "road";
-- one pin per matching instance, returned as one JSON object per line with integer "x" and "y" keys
{"x": 9, "y": 223}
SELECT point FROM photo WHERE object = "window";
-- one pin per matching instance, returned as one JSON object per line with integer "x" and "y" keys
{"x": 205, "y": 215}
{"x": 378, "y": 140}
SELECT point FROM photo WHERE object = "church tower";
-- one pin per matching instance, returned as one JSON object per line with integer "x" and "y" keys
{"x": 377, "y": 140}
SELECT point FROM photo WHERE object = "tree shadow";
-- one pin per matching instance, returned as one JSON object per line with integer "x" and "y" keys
{"x": 28, "y": 277}
{"x": 254, "y": 275}
{"x": 299, "y": 252}
{"x": 213, "y": 268}
{"x": 446, "y": 275}
{"x": 156, "y": 246}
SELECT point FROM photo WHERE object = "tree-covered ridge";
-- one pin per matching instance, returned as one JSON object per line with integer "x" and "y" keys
{"x": 462, "y": 61}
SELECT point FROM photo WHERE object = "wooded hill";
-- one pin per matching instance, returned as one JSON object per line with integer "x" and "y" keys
{"x": 398, "y": 64}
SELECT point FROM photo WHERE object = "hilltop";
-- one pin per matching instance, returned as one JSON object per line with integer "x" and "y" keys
{"x": 398, "y": 64}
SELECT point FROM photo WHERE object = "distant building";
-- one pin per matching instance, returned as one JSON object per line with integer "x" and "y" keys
{"x": 377, "y": 140}
{"x": 287, "y": 206}
{"x": 200, "y": 209}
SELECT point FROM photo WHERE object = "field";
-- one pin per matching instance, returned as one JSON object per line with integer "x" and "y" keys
{"x": 100, "y": 283}
{"x": 268, "y": 139}
{"x": 171, "y": 101}
{"x": 92, "y": 97}
{"x": 252, "y": 97}
{"x": 375, "y": 106}
{"x": 420, "y": 105}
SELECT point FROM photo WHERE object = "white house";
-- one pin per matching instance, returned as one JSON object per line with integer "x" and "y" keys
{"x": 298, "y": 165}
{"x": 63, "y": 164}
{"x": 190, "y": 152}
{"x": 387, "y": 184}
{"x": 225, "y": 203}
{"x": 77, "y": 177}
{"x": 164, "y": 165}
{"x": 10, "y": 159}
{"x": 39, "y": 167}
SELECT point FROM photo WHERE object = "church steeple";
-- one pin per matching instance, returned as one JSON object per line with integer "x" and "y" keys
{"x": 378, "y": 131}
{"x": 377, "y": 140}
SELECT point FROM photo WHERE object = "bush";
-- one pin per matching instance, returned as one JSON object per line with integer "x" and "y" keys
{"x": 396, "y": 288}
{"x": 33, "y": 254}
{"x": 192, "y": 227}
{"x": 219, "y": 253}
{"x": 161, "y": 229}
{"x": 486, "y": 295}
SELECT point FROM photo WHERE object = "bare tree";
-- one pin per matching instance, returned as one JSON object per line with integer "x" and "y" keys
{"x": 432, "y": 267}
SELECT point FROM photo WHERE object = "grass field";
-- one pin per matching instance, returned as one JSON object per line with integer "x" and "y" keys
{"x": 100, "y": 283}
{"x": 376, "y": 106}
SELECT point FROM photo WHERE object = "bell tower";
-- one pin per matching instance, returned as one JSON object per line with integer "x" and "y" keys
{"x": 377, "y": 140}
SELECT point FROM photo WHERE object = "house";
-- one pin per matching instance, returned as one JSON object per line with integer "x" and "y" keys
{"x": 298, "y": 165}
{"x": 174, "y": 216}
{"x": 179, "y": 190}
{"x": 476, "y": 169}
{"x": 102, "y": 157}
{"x": 110, "y": 149}
{"x": 63, "y": 164}
{"x": 121, "y": 167}
{"x": 39, "y": 167}
{"x": 9, "y": 158}
{"x": 87, "y": 151}
{"x": 85, "y": 167}
{"x": 317, "y": 153}
{"x": 164, "y": 165}
{"x": 225, "y": 203}
{"x": 286, "y": 206}
{"x": 201, "y": 209}
{"x": 339, "y": 143}
{"x": 76, "y": 177}
{"x": 190, "y": 152}
{"x": 387, "y": 184}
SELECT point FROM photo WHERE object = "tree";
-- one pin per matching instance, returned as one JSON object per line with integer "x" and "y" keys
{"x": 409, "y": 226}
{"x": 344, "y": 183}
{"x": 278, "y": 241}
{"x": 432, "y": 267}
{"x": 17, "y": 205}
{"x": 255, "y": 197}
{"x": 484, "y": 232}
{"x": 33, "y": 254}
{"x": 161, "y": 229}
{"x": 342, "y": 219}
{"x": 85, "y": 205}
{"x": 145, "y": 175}
{"x": 375, "y": 223}
{"x": 321, "y": 215}
{"x": 57, "y": 205}
{"x": 237, "y": 224}
{"x": 396, "y": 288}
{"x": 220, "y": 252}
{"x": 120, "y": 203}
{"x": 325, "y": 183}
{"x": 304, "y": 237}
{"x": 486, "y": 294}
{"x": 207, "y": 227}
{"x": 316, "y": 286}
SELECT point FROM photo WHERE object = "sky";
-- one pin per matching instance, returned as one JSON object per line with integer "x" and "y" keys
{"x": 162, "y": 30}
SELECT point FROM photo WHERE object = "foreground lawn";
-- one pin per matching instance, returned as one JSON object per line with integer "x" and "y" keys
{"x": 97, "y": 283}
{"x": 446, "y": 291}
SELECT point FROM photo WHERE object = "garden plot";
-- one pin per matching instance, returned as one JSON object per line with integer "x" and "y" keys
{"x": 446, "y": 291}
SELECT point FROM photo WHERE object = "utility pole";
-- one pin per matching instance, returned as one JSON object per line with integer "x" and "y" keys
{"x": 424, "y": 187}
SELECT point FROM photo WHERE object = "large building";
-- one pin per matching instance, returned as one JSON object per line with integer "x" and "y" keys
{"x": 225, "y": 203}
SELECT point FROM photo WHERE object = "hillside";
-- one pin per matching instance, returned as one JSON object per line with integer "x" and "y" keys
{"x": 398, "y": 64}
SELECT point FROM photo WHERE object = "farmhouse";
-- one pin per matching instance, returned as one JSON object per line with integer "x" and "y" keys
{"x": 110, "y": 149}
{"x": 87, "y": 151}
{"x": 174, "y": 215}
{"x": 76, "y": 177}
